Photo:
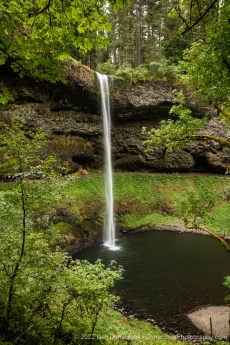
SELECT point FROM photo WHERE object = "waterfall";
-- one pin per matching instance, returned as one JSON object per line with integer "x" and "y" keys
{"x": 109, "y": 224}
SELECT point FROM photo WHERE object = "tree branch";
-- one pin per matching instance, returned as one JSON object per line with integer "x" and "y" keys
{"x": 225, "y": 61}
{"x": 45, "y": 8}
{"x": 5, "y": 269}
{"x": 220, "y": 239}
{"x": 223, "y": 142}
{"x": 41, "y": 11}
{"x": 199, "y": 19}
{"x": 181, "y": 17}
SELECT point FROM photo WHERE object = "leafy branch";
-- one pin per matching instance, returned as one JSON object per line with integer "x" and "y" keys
{"x": 189, "y": 27}
{"x": 173, "y": 133}
{"x": 194, "y": 209}
{"x": 44, "y": 296}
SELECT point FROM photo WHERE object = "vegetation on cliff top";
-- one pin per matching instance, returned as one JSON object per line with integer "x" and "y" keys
{"x": 35, "y": 36}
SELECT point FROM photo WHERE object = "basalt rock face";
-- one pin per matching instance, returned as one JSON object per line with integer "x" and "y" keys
{"x": 69, "y": 115}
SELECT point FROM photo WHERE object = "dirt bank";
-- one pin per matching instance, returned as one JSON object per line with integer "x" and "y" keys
{"x": 215, "y": 317}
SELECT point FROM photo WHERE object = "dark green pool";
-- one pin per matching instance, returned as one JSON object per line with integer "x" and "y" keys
{"x": 167, "y": 274}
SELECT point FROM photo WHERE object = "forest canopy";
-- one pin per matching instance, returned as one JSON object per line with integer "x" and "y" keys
{"x": 205, "y": 67}
{"x": 206, "y": 64}
{"x": 36, "y": 35}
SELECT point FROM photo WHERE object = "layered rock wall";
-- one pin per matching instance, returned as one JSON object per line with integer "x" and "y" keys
{"x": 69, "y": 115}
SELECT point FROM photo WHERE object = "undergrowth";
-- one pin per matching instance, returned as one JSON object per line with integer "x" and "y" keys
{"x": 140, "y": 199}
{"x": 148, "y": 198}
{"x": 162, "y": 70}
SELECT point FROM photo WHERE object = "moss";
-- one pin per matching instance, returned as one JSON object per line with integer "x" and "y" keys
{"x": 153, "y": 219}
{"x": 139, "y": 199}
{"x": 64, "y": 228}
{"x": 211, "y": 137}
{"x": 144, "y": 198}
{"x": 221, "y": 240}
{"x": 66, "y": 147}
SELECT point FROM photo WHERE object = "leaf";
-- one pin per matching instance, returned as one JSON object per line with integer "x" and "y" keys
{"x": 5, "y": 96}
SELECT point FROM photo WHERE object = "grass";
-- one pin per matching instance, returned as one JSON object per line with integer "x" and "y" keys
{"x": 121, "y": 330}
{"x": 156, "y": 195}
{"x": 139, "y": 199}
{"x": 219, "y": 221}
{"x": 152, "y": 219}
{"x": 142, "y": 198}
{"x": 146, "y": 198}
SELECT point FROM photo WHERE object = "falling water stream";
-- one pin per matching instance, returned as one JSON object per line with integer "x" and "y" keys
{"x": 166, "y": 274}
{"x": 109, "y": 224}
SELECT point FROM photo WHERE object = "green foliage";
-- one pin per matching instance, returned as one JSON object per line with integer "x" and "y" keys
{"x": 219, "y": 219}
{"x": 107, "y": 68}
{"x": 124, "y": 73}
{"x": 227, "y": 284}
{"x": 129, "y": 74}
{"x": 173, "y": 133}
{"x": 45, "y": 297}
{"x": 140, "y": 33}
{"x": 153, "y": 219}
{"x": 5, "y": 96}
{"x": 85, "y": 189}
{"x": 163, "y": 70}
{"x": 214, "y": 342}
{"x": 227, "y": 193}
{"x": 194, "y": 207}
{"x": 206, "y": 63}
{"x": 55, "y": 299}
{"x": 148, "y": 198}
{"x": 37, "y": 35}
{"x": 205, "y": 67}
{"x": 174, "y": 46}
{"x": 20, "y": 157}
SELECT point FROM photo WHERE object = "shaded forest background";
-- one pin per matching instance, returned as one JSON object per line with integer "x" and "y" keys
{"x": 144, "y": 34}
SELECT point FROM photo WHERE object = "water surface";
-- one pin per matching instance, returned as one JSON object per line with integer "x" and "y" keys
{"x": 167, "y": 274}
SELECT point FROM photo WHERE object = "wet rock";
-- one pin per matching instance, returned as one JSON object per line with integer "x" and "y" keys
{"x": 68, "y": 113}
{"x": 86, "y": 241}
{"x": 178, "y": 160}
{"x": 131, "y": 163}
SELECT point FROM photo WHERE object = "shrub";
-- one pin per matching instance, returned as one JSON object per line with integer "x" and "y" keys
{"x": 128, "y": 74}
{"x": 163, "y": 70}
{"x": 194, "y": 207}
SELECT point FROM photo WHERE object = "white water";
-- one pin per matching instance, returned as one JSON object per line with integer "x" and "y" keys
{"x": 109, "y": 224}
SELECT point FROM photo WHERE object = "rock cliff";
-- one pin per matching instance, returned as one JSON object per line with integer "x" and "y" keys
{"x": 69, "y": 115}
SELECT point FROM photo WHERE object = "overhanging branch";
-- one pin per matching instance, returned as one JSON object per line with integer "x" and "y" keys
{"x": 200, "y": 18}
